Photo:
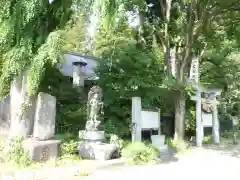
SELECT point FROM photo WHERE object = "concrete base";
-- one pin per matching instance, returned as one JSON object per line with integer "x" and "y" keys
{"x": 163, "y": 149}
{"x": 98, "y": 151}
{"x": 42, "y": 151}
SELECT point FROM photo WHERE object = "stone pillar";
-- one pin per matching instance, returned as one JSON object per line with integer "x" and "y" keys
{"x": 22, "y": 108}
{"x": 79, "y": 73}
{"x": 136, "y": 119}
{"x": 215, "y": 127}
{"x": 199, "y": 123}
{"x": 44, "y": 121}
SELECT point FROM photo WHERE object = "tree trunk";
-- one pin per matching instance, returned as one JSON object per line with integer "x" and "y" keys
{"x": 180, "y": 105}
{"x": 22, "y": 108}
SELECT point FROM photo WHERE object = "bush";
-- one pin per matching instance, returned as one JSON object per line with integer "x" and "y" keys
{"x": 208, "y": 140}
{"x": 179, "y": 146}
{"x": 68, "y": 147}
{"x": 16, "y": 154}
{"x": 227, "y": 134}
{"x": 139, "y": 153}
{"x": 69, "y": 144}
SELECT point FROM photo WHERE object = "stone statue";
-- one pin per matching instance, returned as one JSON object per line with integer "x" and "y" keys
{"x": 208, "y": 102}
{"x": 93, "y": 144}
{"x": 94, "y": 108}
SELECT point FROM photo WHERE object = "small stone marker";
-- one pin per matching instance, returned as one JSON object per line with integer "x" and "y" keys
{"x": 44, "y": 121}
{"x": 158, "y": 141}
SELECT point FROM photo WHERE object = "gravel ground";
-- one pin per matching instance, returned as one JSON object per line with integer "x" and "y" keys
{"x": 198, "y": 163}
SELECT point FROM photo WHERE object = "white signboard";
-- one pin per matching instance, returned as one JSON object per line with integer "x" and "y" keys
{"x": 194, "y": 71}
{"x": 207, "y": 119}
{"x": 173, "y": 61}
{"x": 150, "y": 120}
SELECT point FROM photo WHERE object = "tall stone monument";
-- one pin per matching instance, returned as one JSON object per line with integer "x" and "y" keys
{"x": 91, "y": 145}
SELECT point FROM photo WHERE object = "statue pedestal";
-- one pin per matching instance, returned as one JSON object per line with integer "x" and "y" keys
{"x": 91, "y": 136}
{"x": 91, "y": 146}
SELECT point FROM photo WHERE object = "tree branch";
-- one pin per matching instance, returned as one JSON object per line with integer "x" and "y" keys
{"x": 188, "y": 40}
{"x": 202, "y": 22}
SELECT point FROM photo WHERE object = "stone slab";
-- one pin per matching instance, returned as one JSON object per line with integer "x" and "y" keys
{"x": 158, "y": 140}
{"x": 42, "y": 151}
{"x": 99, "y": 151}
{"x": 44, "y": 120}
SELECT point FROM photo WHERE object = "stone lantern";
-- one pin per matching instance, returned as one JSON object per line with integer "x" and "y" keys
{"x": 79, "y": 73}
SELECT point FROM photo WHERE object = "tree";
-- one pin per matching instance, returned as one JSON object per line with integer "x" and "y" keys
{"x": 182, "y": 29}
{"x": 30, "y": 37}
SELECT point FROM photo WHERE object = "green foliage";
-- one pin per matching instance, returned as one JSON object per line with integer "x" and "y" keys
{"x": 132, "y": 59}
{"x": 16, "y": 154}
{"x": 30, "y": 37}
{"x": 227, "y": 134}
{"x": 71, "y": 102}
{"x": 68, "y": 147}
{"x": 125, "y": 70}
{"x": 180, "y": 146}
{"x": 208, "y": 140}
{"x": 74, "y": 39}
{"x": 139, "y": 153}
{"x": 190, "y": 122}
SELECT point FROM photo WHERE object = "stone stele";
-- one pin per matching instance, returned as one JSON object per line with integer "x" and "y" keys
{"x": 44, "y": 120}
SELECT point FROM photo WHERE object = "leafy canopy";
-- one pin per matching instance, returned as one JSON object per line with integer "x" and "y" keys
{"x": 30, "y": 36}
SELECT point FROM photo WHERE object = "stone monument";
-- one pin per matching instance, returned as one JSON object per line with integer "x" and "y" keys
{"x": 41, "y": 146}
{"x": 91, "y": 145}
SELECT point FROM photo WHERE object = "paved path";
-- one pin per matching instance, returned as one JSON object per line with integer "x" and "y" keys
{"x": 199, "y": 164}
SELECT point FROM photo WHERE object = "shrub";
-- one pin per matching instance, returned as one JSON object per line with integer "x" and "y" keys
{"x": 208, "y": 140}
{"x": 179, "y": 146}
{"x": 139, "y": 153}
{"x": 68, "y": 147}
{"x": 227, "y": 134}
{"x": 16, "y": 154}
{"x": 69, "y": 144}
